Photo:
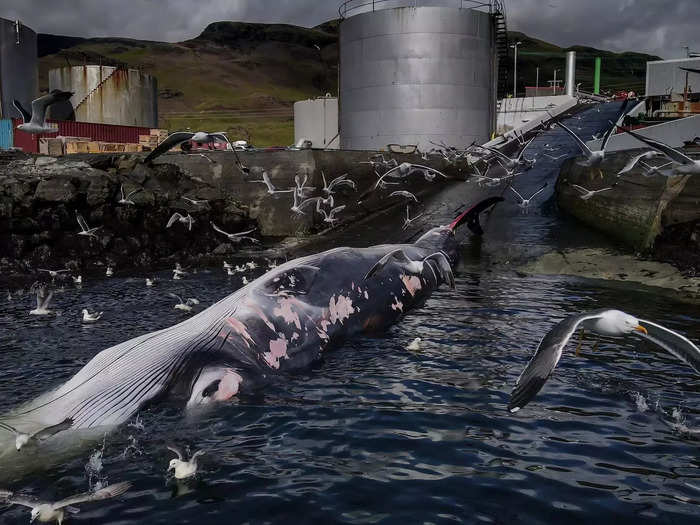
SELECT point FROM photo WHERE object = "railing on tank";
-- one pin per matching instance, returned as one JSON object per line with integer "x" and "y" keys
{"x": 350, "y": 8}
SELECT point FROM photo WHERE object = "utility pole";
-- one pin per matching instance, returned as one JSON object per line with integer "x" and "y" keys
{"x": 515, "y": 68}
{"x": 537, "y": 81}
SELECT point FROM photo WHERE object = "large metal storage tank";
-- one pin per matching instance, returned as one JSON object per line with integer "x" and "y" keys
{"x": 317, "y": 120}
{"x": 18, "y": 66}
{"x": 411, "y": 75}
{"x": 109, "y": 95}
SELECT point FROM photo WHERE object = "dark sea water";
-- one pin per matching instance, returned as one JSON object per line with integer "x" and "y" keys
{"x": 376, "y": 433}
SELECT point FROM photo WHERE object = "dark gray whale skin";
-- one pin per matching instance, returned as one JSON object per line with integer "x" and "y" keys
{"x": 279, "y": 323}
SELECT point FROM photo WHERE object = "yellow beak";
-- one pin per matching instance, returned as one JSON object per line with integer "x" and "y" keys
{"x": 640, "y": 328}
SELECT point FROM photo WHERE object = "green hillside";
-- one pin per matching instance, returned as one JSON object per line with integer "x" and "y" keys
{"x": 244, "y": 78}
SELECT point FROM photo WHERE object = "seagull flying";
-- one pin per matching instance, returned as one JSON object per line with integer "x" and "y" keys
{"x": 196, "y": 202}
{"x": 236, "y": 237}
{"x": 47, "y": 511}
{"x": 342, "y": 180}
{"x": 593, "y": 158}
{"x": 524, "y": 203}
{"x": 587, "y": 194}
{"x": 184, "y": 219}
{"x": 43, "y": 297}
{"x": 604, "y": 322}
{"x": 330, "y": 217}
{"x": 85, "y": 230}
{"x": 408, "y": 220}
{"x": 22, "y": 439}
{"x": 36, "y": 121}
{"x": 179, "y": 137}
{"x": 126, "y": 198}
{"x": 298, "y": 205}
{"x": 405, "y": 194}
{"x": 270, "y": 187}
{"x": 685, "y": 165}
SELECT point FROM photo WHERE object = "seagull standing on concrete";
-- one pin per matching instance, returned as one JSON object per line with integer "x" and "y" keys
{"x": 35, "y": 122}
{"x": 46, "y": 512}
{"x": 179, "y": 137}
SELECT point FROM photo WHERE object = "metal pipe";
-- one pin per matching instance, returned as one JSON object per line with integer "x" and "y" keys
{"x": 596, "y": 77}
{"x": 570, "y": 72}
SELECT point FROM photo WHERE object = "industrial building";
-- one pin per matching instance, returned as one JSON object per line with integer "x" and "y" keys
{"x": 108, "y": 95}
{"x": 18, "y": 66}
{"x": 412, "y": 73}
{"x": 673, "y": 88}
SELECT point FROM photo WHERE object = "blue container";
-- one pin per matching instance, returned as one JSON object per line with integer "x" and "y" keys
{"x": 6, "y": 133}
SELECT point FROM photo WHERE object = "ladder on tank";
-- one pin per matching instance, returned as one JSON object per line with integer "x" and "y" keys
{"x": 498, "y": 12}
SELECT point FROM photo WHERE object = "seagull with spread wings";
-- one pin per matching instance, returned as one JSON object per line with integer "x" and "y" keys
{"x": 236, "y": 237}
{"x": 35, "y": 122}
{"x": 684, "y": 164}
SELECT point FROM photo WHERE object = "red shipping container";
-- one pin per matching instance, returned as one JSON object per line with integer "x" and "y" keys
{"x": 96, "y": 132}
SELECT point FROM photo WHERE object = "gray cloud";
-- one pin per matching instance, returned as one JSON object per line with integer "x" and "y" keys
{"x": 659, "y": 27}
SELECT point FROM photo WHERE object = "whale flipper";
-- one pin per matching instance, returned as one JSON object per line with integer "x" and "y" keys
{"x": 399, "y": 255}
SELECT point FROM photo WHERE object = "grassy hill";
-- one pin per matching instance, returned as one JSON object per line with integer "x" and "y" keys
{"x": 244, "y": 78}
{"x": 619, "y": 70}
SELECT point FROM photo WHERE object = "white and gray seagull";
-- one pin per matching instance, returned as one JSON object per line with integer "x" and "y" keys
{"x": 405, "y": 194}
{"x": 299, "y": 205}
{"x": 593, "y": 158}
{"x": 183, "y": 469}
{"x": 604, "y": 322}
{"x": 524, "y": 203}
{"x": 185, "y": 306}
{"x": 270, "y": 187}
{"x": 179, "y": 137}
{"x": 22, "y": 438}
{"x": 330, "y": 216}
{"x": 236, "y": 237}
{"x": 685, "y": 164}
{"x": 43, "y": 297}
{"x": 196, "y": 202}
{"x": 35, "y": 122}
{"x": 85, "y": 230}
{"x": 408, "y": 220}
{"x": 126, "y": 198}
{"x": 587, "y": 194}
{"x": 339, "y": 181}
{"x": 184, "y": 219}
{"x": 47, "y": 511}
{"x": 633, "y": 160}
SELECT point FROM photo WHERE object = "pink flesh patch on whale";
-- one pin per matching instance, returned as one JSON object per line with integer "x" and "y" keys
{"x": 412, "y": 283}
{"x": 284, "y": 310}
{"x": 340, "y": 309}
{"x": 240, "y": 329}
{"x": 255, "y": 308}
{"x": 228, "y": 386}
{"x": 278, "y": 350}
{"x": 398, "y": 305}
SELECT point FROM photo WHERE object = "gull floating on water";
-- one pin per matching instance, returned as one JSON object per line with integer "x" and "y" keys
{"x": 126, "y": 198}
{"x": 179, "y": 137}
{"x": 587, "y": 194}
{"x": 184, "y": 219}
{"x": 235, "y": 237}
{"x": 183, "y": 469}
{"x": 251, "y": 265}
{"x": 46, "y": 511}
{"x": 150, "y": 282}
{"x": 91, "y": 318}
{"x": 22, "y": 439}
{"x": 109, "y": 272}
{"x": 414, "y": 345}
{"x": 78, "y": 279}
{"x": 43, "y": 297}
{"x": 85, "y": 230}
{"x": 36, "y": 121}
{"x": 244, "y": 280}
{"x": 603, "y": 322}
{"x": 185, "y": 306}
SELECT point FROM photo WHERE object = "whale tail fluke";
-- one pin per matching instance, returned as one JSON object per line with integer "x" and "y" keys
{"x": 470, "y": 217}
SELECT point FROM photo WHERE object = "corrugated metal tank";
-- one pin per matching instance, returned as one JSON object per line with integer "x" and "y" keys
{"x": 317, "y": 120}
{"x": 18, "y": 66}
{"x": 109, "y": 95}
{"x": 410, "y": 75}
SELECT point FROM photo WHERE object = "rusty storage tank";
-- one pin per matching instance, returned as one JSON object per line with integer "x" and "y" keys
{"x": 109, "y": 95}
{"x": 18, "y": 66}
{"x": 414, "y": 74}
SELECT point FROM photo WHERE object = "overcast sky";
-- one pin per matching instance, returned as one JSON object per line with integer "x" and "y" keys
{"x": 659, "y": 27}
